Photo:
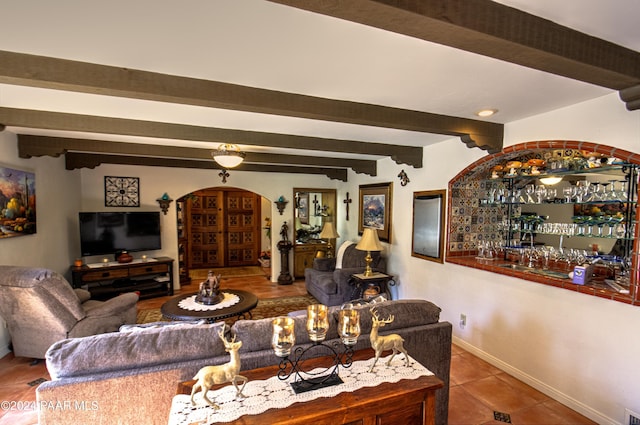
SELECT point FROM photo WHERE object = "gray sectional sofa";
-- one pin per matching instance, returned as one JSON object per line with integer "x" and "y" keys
{"x": 131, "y": 376}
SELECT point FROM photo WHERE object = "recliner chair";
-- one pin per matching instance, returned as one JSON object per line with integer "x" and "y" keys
{"x": 40, "y": 308}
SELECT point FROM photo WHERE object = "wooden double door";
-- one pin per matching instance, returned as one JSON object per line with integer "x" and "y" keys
{"x": 222, "y": 228}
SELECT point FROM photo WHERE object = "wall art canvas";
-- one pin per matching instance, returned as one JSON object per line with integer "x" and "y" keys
{"x": 375, "y": 209}
{"x": 17, "y": 203}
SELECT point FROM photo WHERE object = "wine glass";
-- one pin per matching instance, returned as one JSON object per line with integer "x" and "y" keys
{"x": 613, "y": 222}
{"x": 568, "y": 193}
{"x": 529, "y": 190}
{"x": 612, "y": 195}
{"x": 581, "y": 190}
{"x": 541, "y": 192}
{"x": 599, "y": 220}
{"x": 580, "y": 221}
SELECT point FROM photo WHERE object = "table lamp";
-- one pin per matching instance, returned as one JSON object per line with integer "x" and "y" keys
{"x": 329, "y": 232}
{"x": 369, "y": 242}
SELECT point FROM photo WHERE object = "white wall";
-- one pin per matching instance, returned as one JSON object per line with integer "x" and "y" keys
{"x": 57, "y": 202}
{"x": 176, "y": 182}
{"x": 580, "y": 349}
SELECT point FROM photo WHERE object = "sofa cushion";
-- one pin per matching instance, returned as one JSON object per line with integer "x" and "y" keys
{"x": 406, "y": 313}
{"x": 324, "y": 264}
{"x": 256, "y": 334}
{"x": 340, "y": 253}
{"x": 324, "y": 282}
{"x": 118, "y": 351}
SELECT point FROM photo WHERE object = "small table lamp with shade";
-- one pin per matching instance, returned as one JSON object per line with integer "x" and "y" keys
{"x": 369, "y": 242}
{"x": 329, "y": 232}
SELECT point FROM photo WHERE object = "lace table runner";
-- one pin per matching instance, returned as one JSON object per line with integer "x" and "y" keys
{"x": 190, "y": 303}
{"x": 273, "y": 393}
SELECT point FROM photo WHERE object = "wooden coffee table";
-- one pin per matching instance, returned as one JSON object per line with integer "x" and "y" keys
{"x": 409, "y": 401}
{"x": 248, "y": 301}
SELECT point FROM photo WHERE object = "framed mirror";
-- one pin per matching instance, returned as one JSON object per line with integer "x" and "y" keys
{"x": 313, "y": 209}
{"x": 427, "y": 240}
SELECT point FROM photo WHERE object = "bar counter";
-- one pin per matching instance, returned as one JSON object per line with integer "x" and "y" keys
{"x": 596, "y": 287}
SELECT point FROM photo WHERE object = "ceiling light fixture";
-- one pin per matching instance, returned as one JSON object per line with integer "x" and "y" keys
{"x": 550, "y": 181}
{"x": 228, "y": 155}
{"x": 484, "y": 113}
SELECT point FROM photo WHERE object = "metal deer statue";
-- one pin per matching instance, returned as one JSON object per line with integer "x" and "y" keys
{"x": 228, "y": 372}
{"x": 384, "y": 343}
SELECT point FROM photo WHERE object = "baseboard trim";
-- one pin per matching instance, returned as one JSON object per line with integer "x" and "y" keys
{"x": 4, "y": 352}
{"x": 570, "y": 402}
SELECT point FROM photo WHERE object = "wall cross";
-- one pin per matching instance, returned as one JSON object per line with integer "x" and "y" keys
{"x": 347, "y": 201}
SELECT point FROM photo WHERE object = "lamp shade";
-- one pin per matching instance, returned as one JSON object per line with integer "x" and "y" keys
{"x": 369, "y": 241}
{"x": 329, "y": 231}
{"x": 228, "y": 155}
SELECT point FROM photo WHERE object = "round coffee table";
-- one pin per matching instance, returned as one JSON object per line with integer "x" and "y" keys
{"x": 173, "y": 311}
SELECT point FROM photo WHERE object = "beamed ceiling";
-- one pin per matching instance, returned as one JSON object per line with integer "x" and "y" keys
{"x": 312, "y": 87}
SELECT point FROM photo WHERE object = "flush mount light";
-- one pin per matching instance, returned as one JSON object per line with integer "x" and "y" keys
{"x": 228, "y": 155}
{"x": 550, "y": 181}
{"x": 486, "y": 113}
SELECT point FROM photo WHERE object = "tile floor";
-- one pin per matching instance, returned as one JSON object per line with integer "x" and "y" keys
{"x": 483, "y": 394}
{"x": 477, "y": 388}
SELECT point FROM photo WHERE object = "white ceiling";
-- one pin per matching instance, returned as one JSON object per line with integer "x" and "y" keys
{"x": 262, "y": 44}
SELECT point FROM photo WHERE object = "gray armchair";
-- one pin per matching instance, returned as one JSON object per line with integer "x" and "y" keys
{"x": 40, "y": 308}
{"x": 328, "y": 282}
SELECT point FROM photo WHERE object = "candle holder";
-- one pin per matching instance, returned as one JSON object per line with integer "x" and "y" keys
{"x": 317, "y": 324}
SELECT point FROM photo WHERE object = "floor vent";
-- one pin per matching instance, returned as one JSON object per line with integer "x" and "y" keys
{"x": 631, "y": 418}
{"x": 502, "y": 417}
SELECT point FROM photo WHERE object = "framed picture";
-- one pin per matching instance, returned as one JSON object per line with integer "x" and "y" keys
{"x": 121, "y": 191}
{"x": 17, "y": 203}
{"x": 375, "y": 209}
{"x": 427, "y": 240}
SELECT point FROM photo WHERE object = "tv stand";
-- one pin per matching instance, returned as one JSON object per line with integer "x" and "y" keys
{"x": 153, "y": 278}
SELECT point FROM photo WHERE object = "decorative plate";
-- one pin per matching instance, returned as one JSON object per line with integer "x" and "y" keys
{"x": 121, "y": 191}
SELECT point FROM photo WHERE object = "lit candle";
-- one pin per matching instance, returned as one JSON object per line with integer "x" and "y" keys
{"x": 349, "y": 326}
{"x": 283, "y": 338}
{"x": 317, "y": 322}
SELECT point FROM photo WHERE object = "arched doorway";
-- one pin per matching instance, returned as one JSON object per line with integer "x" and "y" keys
{"x": 219, "y": 227}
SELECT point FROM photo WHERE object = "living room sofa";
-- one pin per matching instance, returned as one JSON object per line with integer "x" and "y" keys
{"x": 328, "y": 279}
{"x": 131, "y": 376}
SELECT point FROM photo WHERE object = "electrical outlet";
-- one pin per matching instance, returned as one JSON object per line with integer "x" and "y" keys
{"x": 463, "y": 321}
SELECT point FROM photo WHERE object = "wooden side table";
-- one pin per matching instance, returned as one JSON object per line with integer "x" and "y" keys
{"x": 409, "y": 401}
{"x": 378, "y": 280}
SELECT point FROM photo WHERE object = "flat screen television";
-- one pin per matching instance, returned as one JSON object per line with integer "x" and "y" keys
{"x": 110, "y": 232}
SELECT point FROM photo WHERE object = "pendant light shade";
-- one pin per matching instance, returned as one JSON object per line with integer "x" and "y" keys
{"x": 228, "y": 155}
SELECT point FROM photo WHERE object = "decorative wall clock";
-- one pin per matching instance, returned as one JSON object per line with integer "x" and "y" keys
{"x": 121, "y": 191}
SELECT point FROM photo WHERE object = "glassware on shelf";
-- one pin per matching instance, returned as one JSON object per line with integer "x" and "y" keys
{"x": 611, "y": 194}
{"x": 530, "y": 191}
{"x": 600, "y": 221}
{"x": 613, "y": 221}
{"x": 568, "y": 193}
{"x": 580, "y": 221}
{"x": 620, "y": 230}
{"x": 582, "y": 190}
{"x": 541, "y": 193}
{"x": 622, "y": 193}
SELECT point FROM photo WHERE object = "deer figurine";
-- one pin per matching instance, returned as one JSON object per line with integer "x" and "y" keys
{"x": 228, "y": 372}
{"x": 383, "y": 343}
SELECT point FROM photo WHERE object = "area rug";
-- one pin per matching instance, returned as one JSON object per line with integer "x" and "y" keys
{"x": 269, "y": 307}
{"x": 201, "y": 274}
